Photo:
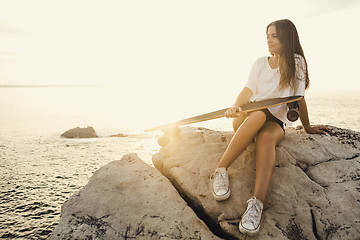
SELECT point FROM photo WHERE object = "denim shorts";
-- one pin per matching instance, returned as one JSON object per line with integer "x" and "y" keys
{"x": 272, "y": 118}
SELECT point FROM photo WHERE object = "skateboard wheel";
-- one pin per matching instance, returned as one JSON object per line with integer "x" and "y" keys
{"x": 292, "y": 114}
{"x": 164, "y": 140}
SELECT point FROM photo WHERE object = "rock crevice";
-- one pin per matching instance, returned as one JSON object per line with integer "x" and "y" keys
{"x": 313, "y": 185}
{"x": 314, "y": 193}
{"x": 129, "y": 199}
{"x": 314, "y": 225}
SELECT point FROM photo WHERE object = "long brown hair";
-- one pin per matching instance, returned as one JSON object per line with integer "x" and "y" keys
{"x": 289, "y": 39}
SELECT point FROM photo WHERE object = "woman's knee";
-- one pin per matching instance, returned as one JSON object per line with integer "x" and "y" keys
{"x": 265, "y": 137}
{"x": 260, "y": 115}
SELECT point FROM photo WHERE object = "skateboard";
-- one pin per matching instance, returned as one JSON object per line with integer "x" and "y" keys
{"x": 292, "y": 114}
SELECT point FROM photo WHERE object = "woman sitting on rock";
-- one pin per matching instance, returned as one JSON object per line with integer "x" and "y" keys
{"x": 283, "y": 74}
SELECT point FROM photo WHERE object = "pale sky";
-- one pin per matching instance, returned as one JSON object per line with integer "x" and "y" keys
{"x": 174, "y": 49}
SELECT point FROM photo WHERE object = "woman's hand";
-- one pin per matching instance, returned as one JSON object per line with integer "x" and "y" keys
{"x": 233, "y": 112}
{"x": 317, "y": 129}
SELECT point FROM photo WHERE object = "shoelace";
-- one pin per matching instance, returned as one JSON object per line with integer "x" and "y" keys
{"x": 220, "y": 180}
{"x": 253, "y": 212}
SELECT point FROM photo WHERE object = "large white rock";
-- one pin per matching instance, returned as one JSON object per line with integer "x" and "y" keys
{"x": 128, "y": 199}
{"x": 314, "y": 193}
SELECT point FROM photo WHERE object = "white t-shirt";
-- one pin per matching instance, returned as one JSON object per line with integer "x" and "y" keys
{"x": 264, "y": 81}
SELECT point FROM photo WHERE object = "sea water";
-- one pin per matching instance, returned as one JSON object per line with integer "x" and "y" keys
{"x": 40, "y": 170}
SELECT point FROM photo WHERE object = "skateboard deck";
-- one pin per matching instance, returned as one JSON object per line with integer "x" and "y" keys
{"x": 249, "y": 107}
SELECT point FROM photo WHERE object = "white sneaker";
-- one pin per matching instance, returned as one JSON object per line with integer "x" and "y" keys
{"x": 220, "y": 184}
{"x": 250, "y": 221}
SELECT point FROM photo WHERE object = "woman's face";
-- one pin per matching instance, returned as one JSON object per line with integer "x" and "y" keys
{"x": 273, "y": 41}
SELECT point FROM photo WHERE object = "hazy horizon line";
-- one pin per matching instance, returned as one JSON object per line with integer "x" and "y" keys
{"x": 105, "y": 85}
{"x": 46, "y": 85}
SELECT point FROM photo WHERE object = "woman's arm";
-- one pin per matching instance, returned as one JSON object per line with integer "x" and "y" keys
{"x": 304, "y": 117}
{"x": 241, "y": 99}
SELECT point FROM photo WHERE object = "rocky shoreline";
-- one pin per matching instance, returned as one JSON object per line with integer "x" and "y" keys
{"x": 314, "y": 192}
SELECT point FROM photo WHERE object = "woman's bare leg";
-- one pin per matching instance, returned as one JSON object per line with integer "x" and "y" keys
{"x": 266, "y": 140}
{"x": 239, "y": 120}
{"x": 242, "y": 137}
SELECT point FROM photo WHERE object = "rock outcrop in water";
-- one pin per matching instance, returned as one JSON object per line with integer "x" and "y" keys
{"x": 87, "y": 132}
{"x": 78, "y": 132}
{"x": 314, "y": 193}
{"x": 129, "y": 199}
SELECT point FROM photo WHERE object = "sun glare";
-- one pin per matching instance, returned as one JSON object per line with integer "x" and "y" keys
{"x": 166, "y": 59}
